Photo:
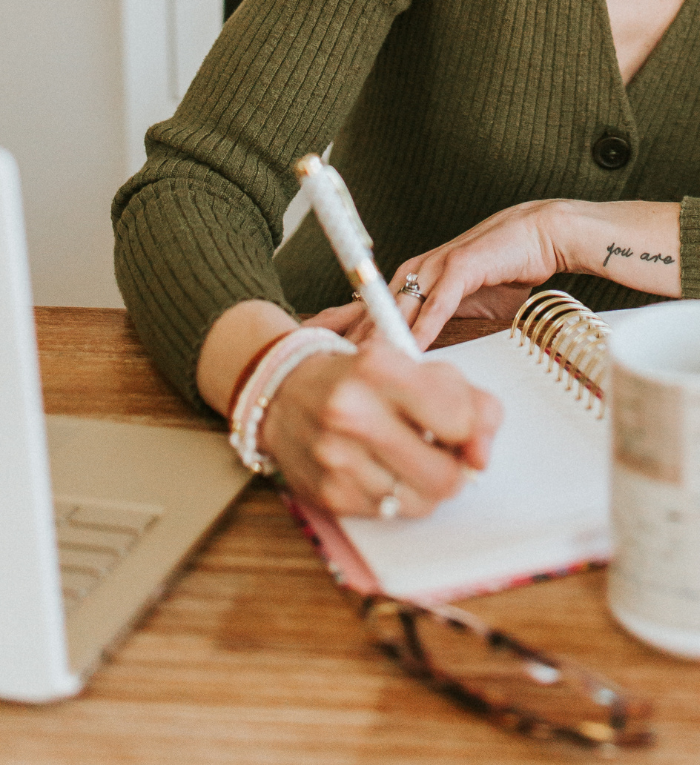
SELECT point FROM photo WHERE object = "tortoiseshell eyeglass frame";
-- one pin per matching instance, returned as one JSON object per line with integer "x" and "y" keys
{"x": 609, "y": 716}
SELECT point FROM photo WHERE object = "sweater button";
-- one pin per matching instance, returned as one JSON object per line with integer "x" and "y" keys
{"x": 611, "y": 152}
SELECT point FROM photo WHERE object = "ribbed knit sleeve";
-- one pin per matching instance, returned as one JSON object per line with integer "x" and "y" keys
{"x": 690, "y": 247}
{"x": 197, "y": 226}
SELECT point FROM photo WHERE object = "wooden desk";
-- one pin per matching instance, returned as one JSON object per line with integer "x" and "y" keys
{"x": 255, "y": 657}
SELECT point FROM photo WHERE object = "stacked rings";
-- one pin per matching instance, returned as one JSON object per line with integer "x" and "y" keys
{"x": 411, "y": 287}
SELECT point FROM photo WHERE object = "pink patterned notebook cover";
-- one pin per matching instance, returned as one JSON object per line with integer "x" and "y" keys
{"x": 349, "y": 569}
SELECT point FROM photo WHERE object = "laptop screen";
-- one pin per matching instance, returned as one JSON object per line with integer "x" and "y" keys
{"x": 33, "y": 653}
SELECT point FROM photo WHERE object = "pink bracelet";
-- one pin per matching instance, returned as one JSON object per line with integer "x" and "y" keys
{"x": 271, "y": 370}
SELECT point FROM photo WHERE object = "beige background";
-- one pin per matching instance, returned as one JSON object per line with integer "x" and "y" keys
{"x": 78, "y": 87}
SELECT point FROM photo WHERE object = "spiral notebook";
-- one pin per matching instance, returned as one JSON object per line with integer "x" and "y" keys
{"x": 539, "y": 510}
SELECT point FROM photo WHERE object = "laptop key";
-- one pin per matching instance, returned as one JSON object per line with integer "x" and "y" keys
{"x": 77, "y": 584}
{"x": 117, "y": 542}
{"x": 97, "y": 562}
{"x": 62, "y": 510}
{"x": 117, "y": 519}
{"x": 92, "y": 540}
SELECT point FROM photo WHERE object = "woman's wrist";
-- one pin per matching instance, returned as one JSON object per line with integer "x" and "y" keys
{"x": 283, "y": 357}
{"x": 234, "y": 339}
{"x": 633, "y": 243}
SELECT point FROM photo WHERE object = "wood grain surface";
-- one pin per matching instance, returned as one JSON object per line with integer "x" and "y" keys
{"x": 254, "y": 656}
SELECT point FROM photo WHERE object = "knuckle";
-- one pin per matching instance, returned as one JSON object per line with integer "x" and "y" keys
{"x": 446, "y": 481}
{"x": 338, "y": 407}
{"x": 369, "y": 357}
{"x": 453, "y": 388}
{"x": 380, "y": 364}
{"x": 453, "y": 259}
{"x": 465, "y": 410}
{"x": 455, "y": 264}
{"x": 329, "y": 495}
{"x": 491, "y": 411}
{"x": 371, "y": 363}
{"x": 437, "y": 302}
{"x": 345, "y": 409}
{"x": 442, "y": 372}
{"x": 328, "y": 452}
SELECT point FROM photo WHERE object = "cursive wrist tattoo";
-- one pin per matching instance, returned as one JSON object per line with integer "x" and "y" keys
{"x": 626, "y": 252}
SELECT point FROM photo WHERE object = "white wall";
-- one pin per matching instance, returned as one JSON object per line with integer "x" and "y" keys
{"x": 63, "y": 114}
{"x": 164, "y": 43}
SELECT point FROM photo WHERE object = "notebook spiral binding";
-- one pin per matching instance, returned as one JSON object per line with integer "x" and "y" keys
{"x": 572, "y": 337}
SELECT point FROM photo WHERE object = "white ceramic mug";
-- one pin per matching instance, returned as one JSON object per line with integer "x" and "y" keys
{"x": 654, "y": 578}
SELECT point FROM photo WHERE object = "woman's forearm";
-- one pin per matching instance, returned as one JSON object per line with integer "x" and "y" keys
{"x": 633, "y": 243}
{"x": 235, "y": 337}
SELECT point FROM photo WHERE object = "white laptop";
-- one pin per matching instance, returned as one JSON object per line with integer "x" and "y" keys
{"x": 92, "y": 527}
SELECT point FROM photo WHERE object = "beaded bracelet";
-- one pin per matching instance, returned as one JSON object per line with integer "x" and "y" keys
{"x": 248, "y": 370}
{"x": 255, "y": 396}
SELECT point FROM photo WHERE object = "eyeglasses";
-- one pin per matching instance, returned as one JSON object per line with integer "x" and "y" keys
{"x": 514, "y": 686}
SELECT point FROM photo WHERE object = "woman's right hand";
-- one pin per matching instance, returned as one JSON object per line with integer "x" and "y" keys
{"x": 347, "y": 431}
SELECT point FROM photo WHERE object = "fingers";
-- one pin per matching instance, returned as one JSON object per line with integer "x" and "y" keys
{"x": 347, "y": 431}
{"x": 355, "y": 482}
{"x": 435, "y": 397}
{"x": 354, "y": 412}
{"x": 409, "y": 305}
{"x": 444, "y": 280}
{"x": 336, "y": 472}
{"x": 489, "y": 416}
{"x": 440, "y": 306}
{"x": 362, "y": 330}
{"x": 339, "y": 319}
{"x": 429, "y": 396}
{"x": 426, "y": 316}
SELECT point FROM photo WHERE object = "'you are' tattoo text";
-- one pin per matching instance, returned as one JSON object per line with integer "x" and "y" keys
{"x": 626, "y": 252}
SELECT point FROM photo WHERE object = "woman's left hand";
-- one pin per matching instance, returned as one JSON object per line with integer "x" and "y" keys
{"x": 486, "y": 272}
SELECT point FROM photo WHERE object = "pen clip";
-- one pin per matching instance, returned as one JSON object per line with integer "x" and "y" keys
{"x": 349, "y": 205}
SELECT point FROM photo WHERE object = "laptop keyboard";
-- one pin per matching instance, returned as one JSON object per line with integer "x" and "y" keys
{"x": 93, "y": 539}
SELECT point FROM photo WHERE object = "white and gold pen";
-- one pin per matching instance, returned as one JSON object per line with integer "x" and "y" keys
{"x": 336, "y": 212}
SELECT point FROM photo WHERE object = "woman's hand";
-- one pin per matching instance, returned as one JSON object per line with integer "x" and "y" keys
{"x": 486, "y": 272}
{"x": 489, "y": 270}
{"x": 347, "y": 431}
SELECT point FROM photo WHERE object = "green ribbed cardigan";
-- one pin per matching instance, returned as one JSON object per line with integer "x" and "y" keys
{"x": 442, "y": 112}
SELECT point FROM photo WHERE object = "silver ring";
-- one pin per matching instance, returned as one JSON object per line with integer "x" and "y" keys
{"x": 390, "y": 505}
{"x": 411, "y": 287}
{"x": 357, "y": 297}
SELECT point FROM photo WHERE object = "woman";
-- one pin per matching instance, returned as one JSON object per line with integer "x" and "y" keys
{"x": 491, "y": 146}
